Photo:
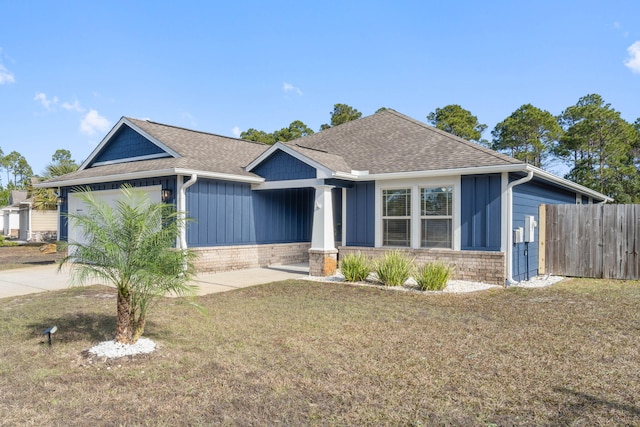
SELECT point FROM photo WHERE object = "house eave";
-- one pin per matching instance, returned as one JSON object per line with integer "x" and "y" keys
{"x": 568, "y": 184}
{"x": 150, "y": 174}
{"x": 480, "y": 170}
{"x": 430, "y": 173}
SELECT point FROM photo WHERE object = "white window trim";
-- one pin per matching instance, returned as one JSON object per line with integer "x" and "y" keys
{"x": 415, "y": 185}
{"x": 409, "y": 217}
{"x": 428, "y": 217}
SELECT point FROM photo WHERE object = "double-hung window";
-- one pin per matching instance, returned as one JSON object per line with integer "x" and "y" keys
{"x": 396, "y": 217}
{"x": 436, "y": 217}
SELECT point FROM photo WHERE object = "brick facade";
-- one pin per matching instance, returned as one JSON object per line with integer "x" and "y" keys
{"x": 323, "y": 263}
{"x": 224, "y": 258}
{"x": 476, "y": 266}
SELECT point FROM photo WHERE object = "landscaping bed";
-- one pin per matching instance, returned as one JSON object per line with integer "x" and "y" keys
{"x": 26, "y": 255}
{"x": 319, "y": 353}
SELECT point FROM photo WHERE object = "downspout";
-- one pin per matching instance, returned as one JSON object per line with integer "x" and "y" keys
{"x": 29, "y": 215}
{"x": 509, "y": 226}
{"x": 59, "y": 208}
{"x": 182, "y": 207}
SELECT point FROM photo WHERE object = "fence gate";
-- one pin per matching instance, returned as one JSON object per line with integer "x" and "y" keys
{"x": 599, "y": 241}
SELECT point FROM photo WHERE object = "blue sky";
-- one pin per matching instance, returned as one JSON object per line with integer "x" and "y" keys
{"x": 70, "y": 69}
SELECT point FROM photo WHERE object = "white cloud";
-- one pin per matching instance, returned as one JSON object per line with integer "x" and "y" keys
{"x": 633, "y": 62}
{"x": 72, "y": 107}
{"x": 236, "y": 131}
{"x": 93, "y": 122}
{"x": 288, "y": 87}
{"x": 6, "y": 76}
{"x": 44, "y": 100}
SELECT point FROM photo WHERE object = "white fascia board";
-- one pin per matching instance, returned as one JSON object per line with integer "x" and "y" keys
{"x": 132, "y": 159}
{"x": 568, "y": 184}
{"x": 112, "y": 132}
{"x": 322, "y": 171}
{"x": 440, "y": 172}
{"x": 150, "y": 174}
{"x": 525, "y": 168}
{"x": 294, "y": 183}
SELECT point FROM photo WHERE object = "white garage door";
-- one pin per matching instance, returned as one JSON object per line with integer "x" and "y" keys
{"x": 108, "y": 196}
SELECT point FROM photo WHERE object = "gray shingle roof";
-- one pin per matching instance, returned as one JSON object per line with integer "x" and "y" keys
{"x": 385, "y": 142}
{"x": 199, "y": 151}
{"x": 389, "y": 142}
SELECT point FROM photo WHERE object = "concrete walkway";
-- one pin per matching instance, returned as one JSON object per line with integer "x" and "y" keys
{"x": 44, "y": 278}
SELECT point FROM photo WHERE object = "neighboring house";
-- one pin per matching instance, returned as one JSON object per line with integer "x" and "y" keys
{"x": 384, "y": 181}
{"x": 11, "y": 214}
{"x": 37, "y": 225}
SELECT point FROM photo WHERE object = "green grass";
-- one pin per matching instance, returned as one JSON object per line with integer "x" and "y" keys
{"x": 300, "y": 353}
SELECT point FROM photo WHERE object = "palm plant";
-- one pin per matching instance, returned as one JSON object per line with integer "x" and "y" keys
{"x": 131, "y": 247}
{"x": 46, "y": 198}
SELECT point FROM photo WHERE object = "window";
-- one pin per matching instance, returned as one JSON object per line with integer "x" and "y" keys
{"x": 436, "y": 214}
{"x": 396, "y": 217}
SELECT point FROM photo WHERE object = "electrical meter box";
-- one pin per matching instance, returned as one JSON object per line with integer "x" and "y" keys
{"x": 518, "y": 235}
{"x": 530, "y": 225}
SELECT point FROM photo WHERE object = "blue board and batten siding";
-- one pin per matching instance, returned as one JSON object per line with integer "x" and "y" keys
{"x": 361, "y": 214}
{"x": 527, "y": 199}
{"x": 281, "y": 166}
{"x": 480, "y": 225}
{"x": 127, "y": 144}
{"x": 167, "y": 183}
{"x": 230, "y": 213}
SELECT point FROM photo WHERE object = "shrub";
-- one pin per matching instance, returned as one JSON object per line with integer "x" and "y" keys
{"x": 394, "y": 268}
{"x": 355, "y": 267}
{"x": 3, "y": 242}
{"x": 433, "y": 276}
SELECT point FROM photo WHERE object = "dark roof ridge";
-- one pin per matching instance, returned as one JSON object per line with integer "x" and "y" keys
{"x": 457, "y": 138}
{"x": 312, "y": 148}
{"x": 195, "y": 131}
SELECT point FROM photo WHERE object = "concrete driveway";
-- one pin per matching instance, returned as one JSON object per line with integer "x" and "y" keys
{"x": 47, "y": 278}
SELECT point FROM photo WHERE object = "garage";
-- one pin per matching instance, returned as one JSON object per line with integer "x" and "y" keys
{"x": 110, "y": 197}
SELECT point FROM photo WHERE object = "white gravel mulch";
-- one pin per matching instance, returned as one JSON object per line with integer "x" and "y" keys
{"x": 454, "y": 286}
{"x": 112, "y": 349}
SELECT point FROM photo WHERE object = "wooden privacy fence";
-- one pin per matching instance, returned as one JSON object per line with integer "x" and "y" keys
{"x": 599, "y": 241}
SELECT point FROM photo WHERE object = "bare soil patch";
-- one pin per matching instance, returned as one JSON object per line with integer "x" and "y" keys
{"x": 311, "y": 353}
{"x": 26, "y": 255}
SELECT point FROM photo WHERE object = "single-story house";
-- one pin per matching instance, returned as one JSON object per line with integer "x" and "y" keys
{"x": 22, "y": 221}
{"x": 383, "y": 181}
{"x": 11, "y": 214}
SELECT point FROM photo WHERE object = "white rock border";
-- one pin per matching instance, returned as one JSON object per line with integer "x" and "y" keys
{"x": 114, "y": 350}
{"x": 453, "y": 286}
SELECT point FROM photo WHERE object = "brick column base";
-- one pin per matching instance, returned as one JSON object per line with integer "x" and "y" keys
{"x": 323, "y": 262}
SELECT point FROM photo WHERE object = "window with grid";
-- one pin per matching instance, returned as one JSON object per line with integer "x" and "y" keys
{"x": 396, "y": 217}
{"x": 436, "y": 217}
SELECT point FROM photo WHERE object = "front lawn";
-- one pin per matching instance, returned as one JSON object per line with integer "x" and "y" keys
{"x": 299, "y": 353}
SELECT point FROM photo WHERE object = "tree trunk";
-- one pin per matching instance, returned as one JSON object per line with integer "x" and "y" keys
{"x": 124, "y": 332}
{"x": 138, "y": 330}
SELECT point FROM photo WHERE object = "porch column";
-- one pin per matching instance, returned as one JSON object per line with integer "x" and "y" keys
{"x": 323, "y": 256}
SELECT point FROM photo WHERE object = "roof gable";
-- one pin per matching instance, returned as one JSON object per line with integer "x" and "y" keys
{"x": 322, "y": 170}
{"x": 127, "y": 145}
{"x": 280, "y": 166}
{"x": 126, "y": 142}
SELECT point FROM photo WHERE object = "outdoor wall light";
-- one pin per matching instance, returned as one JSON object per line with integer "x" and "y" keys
{"x": 49, "y": 331}
{"x": 60, "y": 200}
{"x": 165, "y": 195}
